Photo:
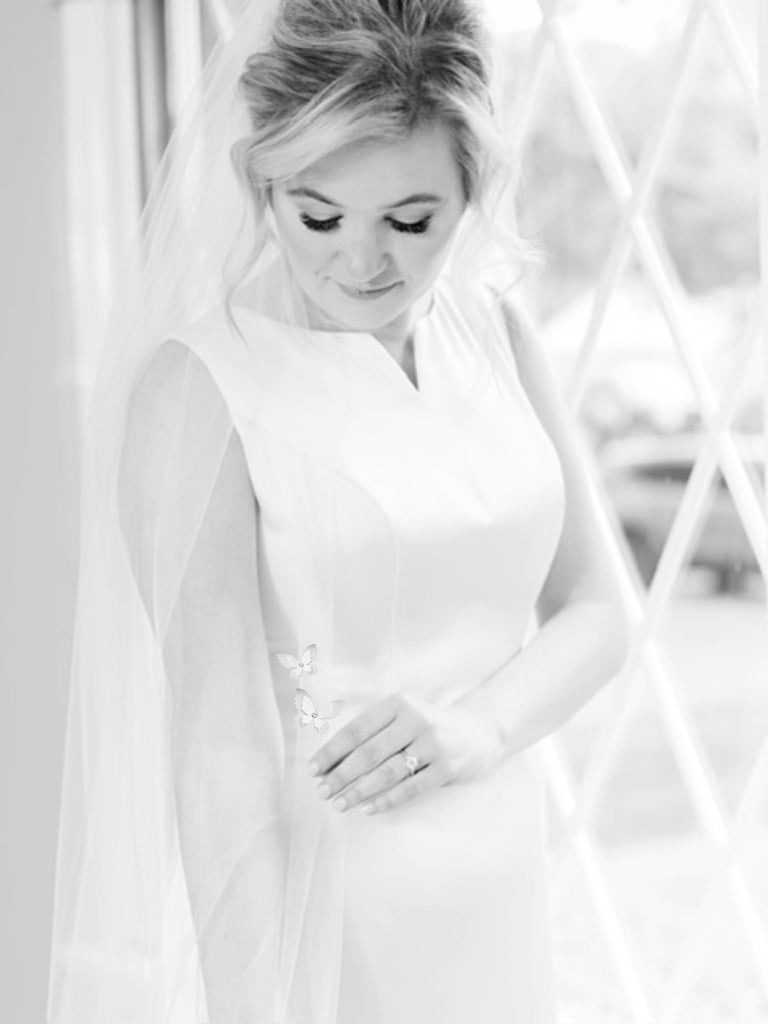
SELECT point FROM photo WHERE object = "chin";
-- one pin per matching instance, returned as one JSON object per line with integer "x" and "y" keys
{"x": 363, "y": 316}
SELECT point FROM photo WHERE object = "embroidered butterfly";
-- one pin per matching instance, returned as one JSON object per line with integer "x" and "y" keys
{"x": 298, "y": 666}
{"x": 308, "y": 714}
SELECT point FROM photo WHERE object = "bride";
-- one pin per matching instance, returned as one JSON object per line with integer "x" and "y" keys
{"x": 340, "y": 565}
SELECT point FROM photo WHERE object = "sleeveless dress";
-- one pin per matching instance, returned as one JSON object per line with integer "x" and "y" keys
{"x": 407, "y": 531}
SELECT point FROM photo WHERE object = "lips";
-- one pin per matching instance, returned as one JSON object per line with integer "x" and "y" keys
{"x": 366, "y": 293}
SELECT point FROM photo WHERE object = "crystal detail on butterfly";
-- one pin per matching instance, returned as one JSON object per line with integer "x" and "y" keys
{"x": 298, "y": 666}
{"x": 309, "y": 713}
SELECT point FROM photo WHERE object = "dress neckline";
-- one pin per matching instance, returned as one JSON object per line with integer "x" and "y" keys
{"x": 365, "y": 346}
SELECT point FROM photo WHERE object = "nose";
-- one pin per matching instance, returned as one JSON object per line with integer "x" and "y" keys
{"x": 366, "y": 260}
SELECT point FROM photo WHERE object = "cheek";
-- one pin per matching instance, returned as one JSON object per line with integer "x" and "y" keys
{"x": 420, "y": 256}
{"x": 306, "y": 249}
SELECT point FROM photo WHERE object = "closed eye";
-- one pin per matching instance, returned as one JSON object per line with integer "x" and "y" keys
{"x": 414, "y": 227}
{"x": 404, "y": 227}
{"x": 319, "y": 225}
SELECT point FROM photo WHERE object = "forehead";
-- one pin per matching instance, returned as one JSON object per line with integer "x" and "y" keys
{"x": 371, "y": 174}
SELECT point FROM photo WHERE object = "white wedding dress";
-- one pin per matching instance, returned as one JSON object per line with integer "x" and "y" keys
{"x": 443, "y": 517}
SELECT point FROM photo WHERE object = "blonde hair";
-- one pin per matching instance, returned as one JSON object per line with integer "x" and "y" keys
{"x": 342, "y": 71}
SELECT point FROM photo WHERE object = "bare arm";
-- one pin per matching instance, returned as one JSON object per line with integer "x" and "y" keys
{"x": 583, "y": 636}
{"x": 223, "y": 757}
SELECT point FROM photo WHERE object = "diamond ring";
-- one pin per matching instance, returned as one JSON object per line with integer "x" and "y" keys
{"x": 412, "y": 762}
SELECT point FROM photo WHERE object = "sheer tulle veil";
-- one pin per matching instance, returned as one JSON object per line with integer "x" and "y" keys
{"x": 124, "y": 946}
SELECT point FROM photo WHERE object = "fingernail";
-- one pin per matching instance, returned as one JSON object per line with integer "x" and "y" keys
{"x": 314, "y": 768}
{"x": 366, "y": 808}
{"x": 323, "y": 790}
{"x": 340, "y": 804}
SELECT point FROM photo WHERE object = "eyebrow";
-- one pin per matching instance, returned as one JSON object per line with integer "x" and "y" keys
{"x": 417, "y": 197}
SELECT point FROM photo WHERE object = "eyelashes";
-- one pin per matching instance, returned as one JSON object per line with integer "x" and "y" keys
{"x": 414, "y": 228}
{"x": 319, "y": 225}
{"x": 418, "y": 227}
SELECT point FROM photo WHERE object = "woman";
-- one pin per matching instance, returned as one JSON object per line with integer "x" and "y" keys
{"x": 343, "y": 494}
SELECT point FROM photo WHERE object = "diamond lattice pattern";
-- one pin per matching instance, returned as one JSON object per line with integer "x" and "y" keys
{"x": 658, "y": 787}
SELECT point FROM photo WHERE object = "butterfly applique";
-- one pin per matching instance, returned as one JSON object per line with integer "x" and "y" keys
{"x": 308, "y": 714}
{"x": 298, "y": 666}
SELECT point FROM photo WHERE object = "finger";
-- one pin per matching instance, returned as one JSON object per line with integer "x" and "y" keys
{"x": 405, "y": 791}
{"x": 379, "y": 750}
{"x": 379, "y": 780}
{"x": 352, "y": 735}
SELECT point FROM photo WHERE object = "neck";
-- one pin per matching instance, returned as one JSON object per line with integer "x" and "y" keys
{"x": 396, "y": 335}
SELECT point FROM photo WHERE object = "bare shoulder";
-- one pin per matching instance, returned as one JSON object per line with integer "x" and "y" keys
{"x": 581, "y": 567}
{"x": 542, "y": 386}
{"x": 169, "y": 412}
{"x": 172, "y": 382}
{"x": 172, "y": 368}
{"x": 533, "y": 363}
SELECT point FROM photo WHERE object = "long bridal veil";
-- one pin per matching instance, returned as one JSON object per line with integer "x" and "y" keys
{"x": 126, "y": 935}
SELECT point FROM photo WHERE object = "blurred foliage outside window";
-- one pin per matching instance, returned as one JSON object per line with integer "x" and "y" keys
{"x": 703, "y": 209}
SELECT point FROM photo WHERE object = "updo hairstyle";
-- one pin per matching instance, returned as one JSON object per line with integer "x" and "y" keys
{"x": 343, "y": 71}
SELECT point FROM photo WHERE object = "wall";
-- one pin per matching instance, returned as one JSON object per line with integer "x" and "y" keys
{"x": 38, "y": 498}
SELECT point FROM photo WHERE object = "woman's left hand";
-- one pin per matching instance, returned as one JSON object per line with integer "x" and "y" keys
{"x": 365, "y": 763}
